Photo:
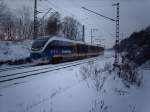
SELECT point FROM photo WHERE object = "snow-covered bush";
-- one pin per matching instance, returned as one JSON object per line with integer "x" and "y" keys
{"x": 95, "y": 73}
{"x": 130, "y": 74}
{"x": 99, "y": 106}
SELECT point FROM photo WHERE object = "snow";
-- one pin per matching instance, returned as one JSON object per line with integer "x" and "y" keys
{"x": 65, "y": 90}
{"x": 10, "y": 50}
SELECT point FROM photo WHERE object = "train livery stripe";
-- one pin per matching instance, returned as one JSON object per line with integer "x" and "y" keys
{"x": 74, "y": 55}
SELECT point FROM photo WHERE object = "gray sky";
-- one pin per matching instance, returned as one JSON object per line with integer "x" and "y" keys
{"x": 134, "y": 15}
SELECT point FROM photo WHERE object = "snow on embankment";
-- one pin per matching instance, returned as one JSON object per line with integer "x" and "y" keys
{"x": 89, "y": 87}
{"x": 12, "y": 50}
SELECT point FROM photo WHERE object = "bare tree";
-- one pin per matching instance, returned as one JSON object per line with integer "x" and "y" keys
{"x": 8, "y": 25}
{"x": 53, "y": 23}
{"x": 25, "y": 23}
{"x": 11, "y": 25}
{"x": 15, "y": 26}
{"x": 70, "y": 27}
{"x": 3, "y": 12}
{"x": 42, "y": 27}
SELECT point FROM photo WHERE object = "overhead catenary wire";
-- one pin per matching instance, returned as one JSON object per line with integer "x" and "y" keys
{"x": 60, "y": 8}
{"x": 99, "y": 14}
{"x": 45, "y": 14}
{"x": 42, "y": 10}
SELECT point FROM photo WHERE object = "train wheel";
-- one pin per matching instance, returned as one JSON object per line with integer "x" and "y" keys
{"x": 49, "y": 60}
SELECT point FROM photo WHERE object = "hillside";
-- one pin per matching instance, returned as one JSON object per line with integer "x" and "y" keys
{"x": 137, "y": 46}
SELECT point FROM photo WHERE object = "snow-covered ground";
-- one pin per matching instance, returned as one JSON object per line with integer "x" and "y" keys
{"x": 66, "y": 90}
{"x": 10, "y": 50}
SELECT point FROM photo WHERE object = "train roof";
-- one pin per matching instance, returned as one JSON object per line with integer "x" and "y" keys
{"x": 61, "y": 38}
{"x": 69, "y": 40}
{"x": 65, "y": 39}
{"x": 47, "y": 39}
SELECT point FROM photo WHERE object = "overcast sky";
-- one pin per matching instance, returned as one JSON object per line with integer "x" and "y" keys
{"x": 134, "y": 15}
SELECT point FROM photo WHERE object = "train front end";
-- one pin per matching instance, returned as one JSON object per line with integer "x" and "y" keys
{"x": 38, "y": 54}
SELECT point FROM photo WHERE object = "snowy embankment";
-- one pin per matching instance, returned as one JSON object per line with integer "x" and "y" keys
{"x": 14, "y": 50}
{"x": 69, "y": 90}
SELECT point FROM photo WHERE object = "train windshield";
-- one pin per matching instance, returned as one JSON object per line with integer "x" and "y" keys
{"x": 39, "y": 43}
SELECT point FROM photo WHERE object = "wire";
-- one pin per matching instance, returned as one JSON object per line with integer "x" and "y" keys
{"x": 98, "y": 14}
{"x": 62, "y": 9}
{"x": 44, "y": 10}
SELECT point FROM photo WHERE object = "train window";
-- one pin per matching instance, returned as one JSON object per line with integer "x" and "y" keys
{"x": 81, "y": 48}
{"x": 39, "y": 43}
{"x": 51, "y": 45}
{"x": 59, "y": 44}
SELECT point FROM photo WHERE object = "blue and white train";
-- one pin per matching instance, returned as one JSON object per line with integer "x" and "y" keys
{"x": 55, "y": 49}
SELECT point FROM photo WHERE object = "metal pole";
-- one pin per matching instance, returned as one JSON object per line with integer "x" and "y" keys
{"x": 116, "y": 62}
{"x": 35, "y": 33}
{"x": 91, "y": 34}
{"x": 83, "y": 33}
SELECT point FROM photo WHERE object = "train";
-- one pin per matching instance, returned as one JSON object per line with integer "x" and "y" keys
{"x": 55, "y": 49}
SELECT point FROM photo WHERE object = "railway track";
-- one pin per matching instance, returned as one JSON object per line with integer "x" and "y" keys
{"x": 16, "y": 67}
{"x": 28, "y": 73}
